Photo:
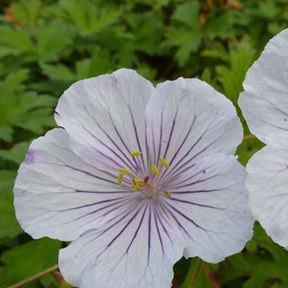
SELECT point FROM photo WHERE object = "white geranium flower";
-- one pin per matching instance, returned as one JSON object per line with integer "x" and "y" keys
{"x": 265, "y": 106}
{"x": 137, "y": 178}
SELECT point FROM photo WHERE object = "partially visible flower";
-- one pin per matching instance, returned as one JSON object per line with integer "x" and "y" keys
{"x": 137, "y": 178}
{"x": 265, "y": 106}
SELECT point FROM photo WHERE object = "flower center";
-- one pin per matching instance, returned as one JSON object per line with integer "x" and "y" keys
{"x": 148, "y": 186}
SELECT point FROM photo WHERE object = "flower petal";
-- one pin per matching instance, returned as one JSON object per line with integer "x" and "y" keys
{"x": 267, "y": 183}
{"x": 188, "y": 120}
{"x": 137, "y": 250}
{"x": 60, "y": 196}
{"x": 104, "y": 117}
{"x": 210, "y": 205}
{"x": 264, "y": 102}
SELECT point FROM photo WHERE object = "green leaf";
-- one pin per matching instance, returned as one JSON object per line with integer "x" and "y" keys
{"x": 14, "y": 41}
{"x": 6, "y": 133}
{"x": 232, "y": 77}
{"x": 27, "y": 260}
{"x": 9, "y": 226}
{"x": 188, "y": 13}
{"x": 16, "y": 154}
{"x": 185, "y": 32}
{"x": 55, "y": 40}
{"x": 58, "y": 72}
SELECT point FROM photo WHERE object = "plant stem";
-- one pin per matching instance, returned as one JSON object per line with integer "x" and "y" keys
{"x": 248, "y": 137}
{"x": 35, "y": 277}
{"x": 195, "y": 273}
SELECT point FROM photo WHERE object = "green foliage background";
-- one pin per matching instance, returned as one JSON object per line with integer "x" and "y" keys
{"x": 47, "y": 45}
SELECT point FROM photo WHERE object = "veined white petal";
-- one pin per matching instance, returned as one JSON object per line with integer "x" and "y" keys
{"x": 104, "y": 117}
{"x": 210, "y": 204}
{"x": 267, "y": 183}
{"x": 60, "y": 196}
{"x": 187, "y": 120}
{"x": 264, "y": 102}
{"x": 136, "y": 250}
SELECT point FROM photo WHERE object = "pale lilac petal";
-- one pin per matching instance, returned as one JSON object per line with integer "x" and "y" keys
{"x": 264, "y": 102}
{"x": 60, "y": 196}
{"x": 188, "y": 120}
{"x": 137, "y": 250}
{"x": 104, "y": 117}
{"x": 267, "y": 183}
{"x": 210, "y": 205}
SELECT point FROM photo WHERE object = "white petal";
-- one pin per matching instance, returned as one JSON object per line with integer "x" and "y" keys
{"x": 188, "y": 120}
{"x": 60, "y": 196}
{"x": 210, "y": 205}
{"x": 104, "y": 117}
{"x": 137, "y": 250}
{"x": 267, "y": 183}
{"x": 264, "y": 102}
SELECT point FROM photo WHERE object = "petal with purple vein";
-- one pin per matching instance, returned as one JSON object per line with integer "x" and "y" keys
{"x": 137, "y": 250}
{"x": 104, "y": 117}
{"x": 60, "y": 196}
{"x": 187, "y": 120}
{"x": 210, "y": 205}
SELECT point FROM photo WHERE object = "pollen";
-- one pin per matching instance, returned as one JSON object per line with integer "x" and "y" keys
{"x": 167, "y": 193}
{"x": 120, "y": 177}
{"x": 135, "y": 153}
{"x": 155, "y": 170}
{"x": 138, "y": 181}
{"x": 124, "y": 171}
{"x": 164, "y": 163}
{"x": 136, "y": 187}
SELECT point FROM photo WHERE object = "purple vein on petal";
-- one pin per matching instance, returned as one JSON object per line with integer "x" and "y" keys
{"x": 185, "y": 217}
{"x": 177, "y": 221}
{"x": 185, "y": 156}
{"x": 122, "y": 140}
{"x": 113, "y": 204}
{"x": 195, "y": 182}
{"x": 137, "y": 138}
{"x": 156, "y": 219}
{"x": 90, "y": 174}
{"x": 124, "y": 228}
{"x": 193, "y": 203}
{"x": 105, "y": 192}
{"x": 112, "y": 141}
{"x": 137, "y": 229}
{"x": 126, "y": 213}
{"x": 149, "y": 236}
{"x": 107, "y": 147}
{"x": 179, "y": 171}
{"x": 171, "y": 133}
{"x": 160, "y": 138}
{"x": 180, "y": 146}
{"x": 196, "y": 191}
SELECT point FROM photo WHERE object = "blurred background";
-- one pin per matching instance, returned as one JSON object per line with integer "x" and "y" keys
{"x": 47, "y": 45}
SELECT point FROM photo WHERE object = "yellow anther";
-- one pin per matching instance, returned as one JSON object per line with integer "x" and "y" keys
{"x": 120, "y": 177}
{"x": 136, "y": 187}
{"x": 167, "y": 193}
{"x": 138, "y": 181}
{"x": 164, "y": 163}
{"x": 135, "y": 153}
{"x": 124, "y": 171}
{"x": 155, "y": 170}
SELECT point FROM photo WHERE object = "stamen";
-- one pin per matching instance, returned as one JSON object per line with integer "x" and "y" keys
{"x": 155, "y": 170}
{"x": 136, "y": 187}
{"x": 167, "y": 193}
{"x": 124, "y": 171}
{"x": 120, "y": 177}
{"x": 138, "y": 181}
{"x": 164, "y": 163}
{"x": 135, "y": 153}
